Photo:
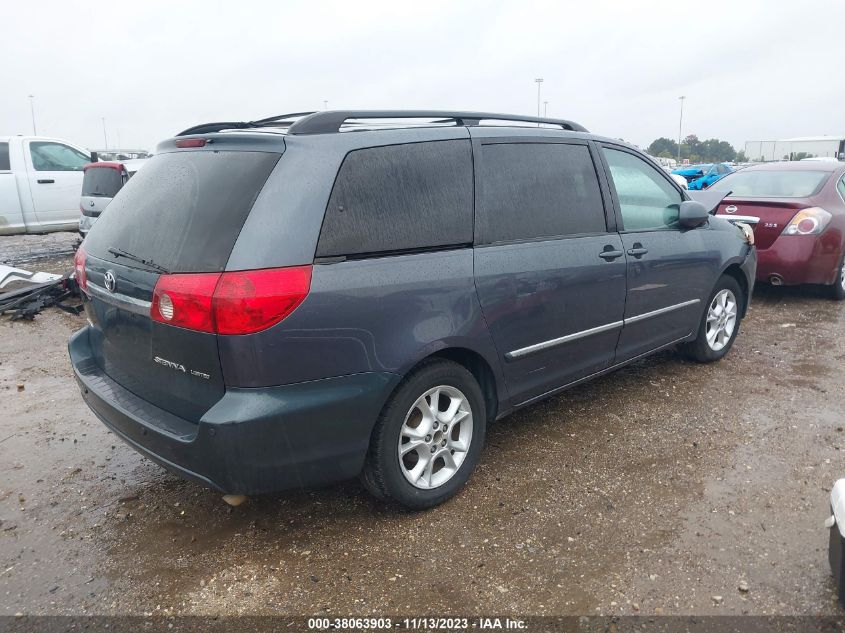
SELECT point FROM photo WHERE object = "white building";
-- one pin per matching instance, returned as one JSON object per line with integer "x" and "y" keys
{"x": 786, "y": 149}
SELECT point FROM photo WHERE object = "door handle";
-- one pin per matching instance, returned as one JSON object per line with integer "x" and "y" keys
{"x": 610, "y": 254}
{"x": 46, "y": 181}
{"x": 637, "y": 251}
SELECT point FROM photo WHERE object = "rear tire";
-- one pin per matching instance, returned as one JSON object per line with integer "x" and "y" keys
{"x": 837, "y": 290}
{"x": 719, "y": 323}
{"x": 413, "y": 460}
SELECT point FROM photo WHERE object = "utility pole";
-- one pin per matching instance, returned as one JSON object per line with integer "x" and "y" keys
{"x": 680, "y": 127}
{"x": 32, "y": 111}
{"x": 539, "y": 82}
{"x": 105, "y": 136}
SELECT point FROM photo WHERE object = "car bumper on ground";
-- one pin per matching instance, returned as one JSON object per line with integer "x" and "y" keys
{"x": 799, "y": 259}
{"x": 251, "y": 441}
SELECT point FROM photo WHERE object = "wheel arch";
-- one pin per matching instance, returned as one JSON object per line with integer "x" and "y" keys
{"x": 487, "y": 373}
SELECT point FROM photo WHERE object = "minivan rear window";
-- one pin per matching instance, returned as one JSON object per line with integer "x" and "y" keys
{"x": 184, "y": 210}
{"x": 102, "y": 182}
{"x": 399, "y": 198}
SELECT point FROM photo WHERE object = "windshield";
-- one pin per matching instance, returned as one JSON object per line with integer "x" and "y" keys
{"x": 183, "y": 210}
{"x": 772, "y": 183}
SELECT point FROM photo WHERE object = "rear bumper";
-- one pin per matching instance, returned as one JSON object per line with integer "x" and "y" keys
{"x": 251, "y": 441}
{"x": 800, "y": 259}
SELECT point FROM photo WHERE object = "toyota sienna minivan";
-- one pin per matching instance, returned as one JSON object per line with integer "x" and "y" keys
{"x": 309, "y": 298}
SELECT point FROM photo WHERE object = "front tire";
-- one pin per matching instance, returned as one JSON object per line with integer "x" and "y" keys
{"x": 719, "y": 323}
{"x": 428, "y": 437}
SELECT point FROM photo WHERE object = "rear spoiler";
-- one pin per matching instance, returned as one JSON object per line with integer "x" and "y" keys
{"x": 710, "y": 199}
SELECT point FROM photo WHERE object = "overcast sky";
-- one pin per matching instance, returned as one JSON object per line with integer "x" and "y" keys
{"x": 749, "y": 69}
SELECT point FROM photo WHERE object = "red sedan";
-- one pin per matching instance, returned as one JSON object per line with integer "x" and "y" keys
{"x": 797, "y": 210}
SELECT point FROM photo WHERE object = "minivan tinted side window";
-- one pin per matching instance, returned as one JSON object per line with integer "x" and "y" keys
{"x": 5, "y": 164}
{"x": 647, "y": 200}
{"x": 535, "y": 190}
{"x": 400, "y": 197}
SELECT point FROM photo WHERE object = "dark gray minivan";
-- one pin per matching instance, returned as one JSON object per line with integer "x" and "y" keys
{"x": 309, "y": 298}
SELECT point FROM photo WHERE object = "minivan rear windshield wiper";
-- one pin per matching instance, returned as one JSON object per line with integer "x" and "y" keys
{"x": 118, "y": 252}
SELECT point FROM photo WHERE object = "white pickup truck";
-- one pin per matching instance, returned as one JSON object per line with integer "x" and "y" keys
{"x": 40, "y": 184}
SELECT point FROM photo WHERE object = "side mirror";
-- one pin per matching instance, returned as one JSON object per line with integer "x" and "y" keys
{"x": 94, "y": 157}
{"x": 692, "y": 214}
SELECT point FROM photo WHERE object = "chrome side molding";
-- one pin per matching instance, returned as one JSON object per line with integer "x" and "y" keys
{"x": 525, "y": 351}
{"x": 654, "y": 313}
{"x": 575, "y": 336}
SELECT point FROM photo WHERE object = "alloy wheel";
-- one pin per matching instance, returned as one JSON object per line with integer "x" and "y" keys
{"x": 435, "y": 437}
{"x": 721, "y": 319}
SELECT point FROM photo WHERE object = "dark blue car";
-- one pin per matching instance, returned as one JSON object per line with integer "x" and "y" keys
{"x": 702, "y": 176}
{"x": 300, "y": 300}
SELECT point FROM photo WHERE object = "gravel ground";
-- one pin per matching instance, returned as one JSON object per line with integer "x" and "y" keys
{"x": 667, "y": 487}
{"x": 22, "y": 249}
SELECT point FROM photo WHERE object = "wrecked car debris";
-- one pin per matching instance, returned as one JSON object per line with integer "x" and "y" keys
{"x": 43, "y": 290}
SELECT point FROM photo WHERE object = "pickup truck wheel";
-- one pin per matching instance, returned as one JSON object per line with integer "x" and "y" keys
{"x": 719, "y": 324}
{"x": 428, "y": 437}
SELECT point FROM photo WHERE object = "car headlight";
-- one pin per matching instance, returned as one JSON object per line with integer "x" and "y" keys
{"x": 808, "y": 222}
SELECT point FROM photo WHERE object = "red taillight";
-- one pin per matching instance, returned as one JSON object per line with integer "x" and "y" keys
{"x": 253, "y": 300}
{"x": 240, "y": 302}
{"x": 185, "y": 300}
{"x": 79, "y": 269}
{"x": 191, "y": 142}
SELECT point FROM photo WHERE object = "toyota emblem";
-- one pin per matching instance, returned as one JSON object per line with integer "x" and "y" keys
{"x": 731, "y": 209}
{"x": 110, "y": 281}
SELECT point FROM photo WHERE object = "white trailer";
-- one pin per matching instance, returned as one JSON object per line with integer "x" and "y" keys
{"x": 789, "y": 148}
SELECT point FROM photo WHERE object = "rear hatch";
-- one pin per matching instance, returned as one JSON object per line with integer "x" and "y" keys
{"x": 773, "y": 215}
{"x": 99, "y": 185}
{"x": 180, "y": 214}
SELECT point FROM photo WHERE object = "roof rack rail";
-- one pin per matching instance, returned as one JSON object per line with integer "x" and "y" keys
{"x": 330, "y": 121}
{"x": 273, "y": 121}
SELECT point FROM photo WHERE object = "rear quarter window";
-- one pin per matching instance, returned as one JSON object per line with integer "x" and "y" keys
{"x": 399, "y": 198}
{"x": 5, "y": 163}
{"x": 534, "y": 190}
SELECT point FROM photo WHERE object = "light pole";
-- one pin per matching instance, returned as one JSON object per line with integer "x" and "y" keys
{"x": 545, "y": 109}
{"x": 680, "y": 126}
{"x": 105, "y": 137}
{"x": 32, "y": 111}
{"x": 539, "y": 82}
{"x": 325, "y": 105}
